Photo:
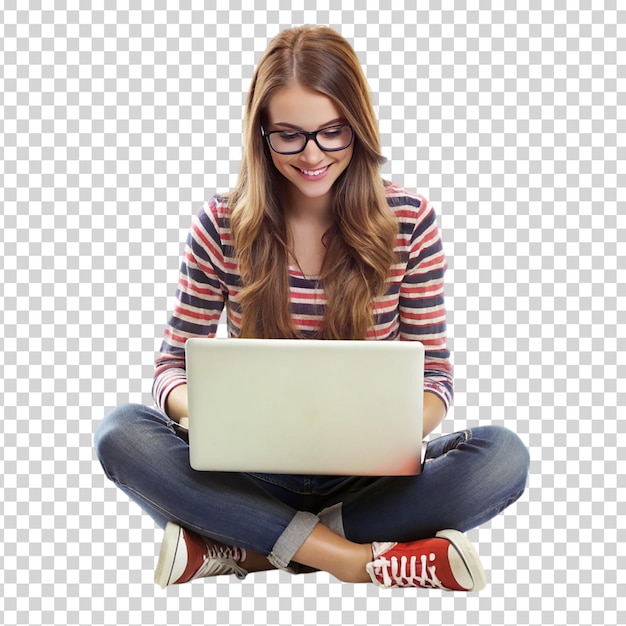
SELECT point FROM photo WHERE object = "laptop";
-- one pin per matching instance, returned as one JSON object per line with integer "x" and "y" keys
{"x": 305, "y": 406}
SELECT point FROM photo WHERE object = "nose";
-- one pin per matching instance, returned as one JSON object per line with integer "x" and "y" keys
{"x": 311, "y": 152}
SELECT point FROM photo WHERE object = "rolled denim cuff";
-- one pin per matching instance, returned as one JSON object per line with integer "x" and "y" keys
{"x": 292, "y": 538}
{"x": 332, "y": 518}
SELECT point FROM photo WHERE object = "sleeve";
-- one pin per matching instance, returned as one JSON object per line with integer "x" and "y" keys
{"x": 422, "y": 308}
{"x": 200, "y": 297}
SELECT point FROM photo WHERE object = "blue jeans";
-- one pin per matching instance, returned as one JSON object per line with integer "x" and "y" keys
{"x": 468, "y": 478}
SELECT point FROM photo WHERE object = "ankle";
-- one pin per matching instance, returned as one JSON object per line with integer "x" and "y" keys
{"x": 353, "y": 570}
{"x": 325, "y": 550}
{"x": 254, "y": 562}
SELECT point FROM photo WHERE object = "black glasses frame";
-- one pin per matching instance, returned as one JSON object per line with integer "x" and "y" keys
{"x": 308, "y": 135}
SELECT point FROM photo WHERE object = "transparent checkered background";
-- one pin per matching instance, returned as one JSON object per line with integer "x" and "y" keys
{"x": 119, "y": 120}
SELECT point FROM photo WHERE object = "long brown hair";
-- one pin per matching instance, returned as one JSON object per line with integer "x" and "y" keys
{"x": 360, "y": 243}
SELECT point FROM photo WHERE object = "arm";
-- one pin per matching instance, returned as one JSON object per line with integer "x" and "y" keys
{"x": 176, "y": 403}
{"x": 199, "y": 302}
{"x": 434, "y": 412}
{"x": 422, "y": 309}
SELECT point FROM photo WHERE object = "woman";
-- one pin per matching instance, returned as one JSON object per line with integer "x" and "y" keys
{"x": 312, "y": 243}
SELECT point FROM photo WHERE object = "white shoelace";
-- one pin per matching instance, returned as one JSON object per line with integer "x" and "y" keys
{"x": 221, "y": 560}
{"x": 395, "y": 572}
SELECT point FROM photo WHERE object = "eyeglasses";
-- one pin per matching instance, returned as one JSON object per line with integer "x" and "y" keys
{"x": 331, "y": 139}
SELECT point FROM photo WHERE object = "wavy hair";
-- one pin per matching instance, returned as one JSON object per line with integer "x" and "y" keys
{"x": 360, "y": 242}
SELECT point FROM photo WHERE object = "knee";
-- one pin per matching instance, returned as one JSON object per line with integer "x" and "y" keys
{"x": 508, "y": 453}
{"x": 116, "y": 429}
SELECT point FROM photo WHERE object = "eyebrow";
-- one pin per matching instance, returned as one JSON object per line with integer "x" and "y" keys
{"x": 326, "y": 125}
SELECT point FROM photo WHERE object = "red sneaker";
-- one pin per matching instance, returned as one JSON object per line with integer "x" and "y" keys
{"x": 449, "y": 561}
{"x": 185, "y": 555}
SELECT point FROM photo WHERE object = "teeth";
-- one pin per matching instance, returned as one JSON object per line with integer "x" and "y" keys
{"x": 314, "y": 173}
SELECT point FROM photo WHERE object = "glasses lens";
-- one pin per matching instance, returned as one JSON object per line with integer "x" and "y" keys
{"x": 335, "y": 138}
{"x": 287, "y": 141}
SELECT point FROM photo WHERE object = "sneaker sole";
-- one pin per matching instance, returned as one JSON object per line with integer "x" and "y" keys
{"x": 469, "y": 555}
{"x": 171, "y": 539}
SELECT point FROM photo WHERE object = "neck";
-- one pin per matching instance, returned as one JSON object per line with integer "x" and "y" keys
{"x": 302, "y": 208}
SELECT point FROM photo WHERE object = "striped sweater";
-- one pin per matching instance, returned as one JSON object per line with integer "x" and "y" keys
{"x": 412, "y": 308}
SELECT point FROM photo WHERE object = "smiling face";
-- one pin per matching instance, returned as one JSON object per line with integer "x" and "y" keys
{"x": 312, "y": 172}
